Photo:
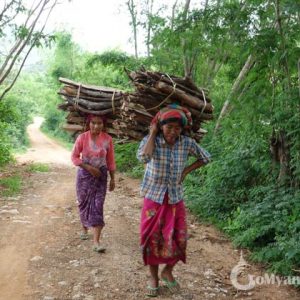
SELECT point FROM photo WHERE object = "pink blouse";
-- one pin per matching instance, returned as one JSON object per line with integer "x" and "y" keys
{"x": 99, "y": 153}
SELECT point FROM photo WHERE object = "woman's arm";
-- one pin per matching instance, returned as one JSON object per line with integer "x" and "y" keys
{"x": 148, "y": 149}
{"x": 111, "y": 164}
{"x": 92, "y": 170}
{"x": 203, "y": 158}
{"x": 76, "y": 151}
{"x": 112, "y": 183}
{"x": 196, "y": 165}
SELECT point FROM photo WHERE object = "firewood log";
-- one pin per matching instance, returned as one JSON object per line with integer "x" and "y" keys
{"x": 91, "y": 105}
{"x": 72, "y": 127}
{"x": 70, "y": 91}
{"x": 88, "y": 86}
{"x": 183, "y": 97}
{"x": 76, "y": 106}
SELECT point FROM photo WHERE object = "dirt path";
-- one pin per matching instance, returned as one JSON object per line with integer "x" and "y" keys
{"x": 42, "y": 257}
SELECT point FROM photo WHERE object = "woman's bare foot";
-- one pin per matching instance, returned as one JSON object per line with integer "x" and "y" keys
{"x": 98, "y": 248}
{"x": 84, "y": 233}
{"x": 152, "y": 287}
{"x": 166, "y": 274}
{"x": 154, "y": 283}
{"x": 169, "y": 280}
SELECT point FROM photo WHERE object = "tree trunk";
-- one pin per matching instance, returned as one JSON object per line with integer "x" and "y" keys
{"x": 188, "y": 68}
{"x": 186, "y": 8}
{"x": 133, "y": 14}
{"x": 280, "y": 152}
{"x": 246, "y": 68}
{"x": 149, "y": 24}
{"x": 205, "y": 6}
{"x": 283, "y": 44}
{"x": 173, "y": 14}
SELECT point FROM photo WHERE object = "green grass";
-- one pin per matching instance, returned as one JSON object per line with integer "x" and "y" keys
{"x": 21, "y": 150}
{"x": 13, "y": 176}
{"x": 38, "y": 167}
{"x": 10, "y": 186}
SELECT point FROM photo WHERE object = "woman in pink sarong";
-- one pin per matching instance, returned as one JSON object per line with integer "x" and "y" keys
{"x": 163, "y": 227}
{"x": 93, "y": 153}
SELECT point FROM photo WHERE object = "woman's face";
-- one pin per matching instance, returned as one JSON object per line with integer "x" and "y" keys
{"x": 171, "y": 132}
{"x": 96, "y": 125}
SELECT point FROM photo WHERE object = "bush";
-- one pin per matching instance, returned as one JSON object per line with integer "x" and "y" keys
{"x": 126, "y": 159}
{"x": 14, "y": 118}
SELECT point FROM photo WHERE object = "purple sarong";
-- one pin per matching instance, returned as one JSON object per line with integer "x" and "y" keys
{"x": 91, "y": 193}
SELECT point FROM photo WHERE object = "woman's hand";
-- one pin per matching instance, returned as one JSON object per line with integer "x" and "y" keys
{"x": 183, "y": 175}
{"x": 154, "y": 129}
{"x": 149, "y": 146}
{"x": 195, "y": 165}
{"x": 112, "y": 185}
{"x": 94, "y": 171}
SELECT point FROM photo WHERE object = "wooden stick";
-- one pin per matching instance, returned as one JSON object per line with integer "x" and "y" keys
{"x": 91, "y": 105}
{"x": 183, "y": 97}
{"x": 65, "y": 91}
{"x": 72, "y": 127}
{"x": 88, "y": 86}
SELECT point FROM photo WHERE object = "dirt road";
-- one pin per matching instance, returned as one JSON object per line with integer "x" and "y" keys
{"x": 42, "y": 257}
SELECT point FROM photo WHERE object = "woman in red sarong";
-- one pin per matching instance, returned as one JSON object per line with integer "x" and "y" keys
{"x": 163, "y": 229}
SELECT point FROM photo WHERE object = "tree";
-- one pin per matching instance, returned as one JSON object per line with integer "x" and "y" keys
{"x": 25, "y": 36}
{"x": 62, "y": 59}
{"x": 148, "y": 11}
{"x": 134, "y": 22}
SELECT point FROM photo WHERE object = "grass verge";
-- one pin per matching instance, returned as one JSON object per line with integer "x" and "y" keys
{"x": 13, "y": 175}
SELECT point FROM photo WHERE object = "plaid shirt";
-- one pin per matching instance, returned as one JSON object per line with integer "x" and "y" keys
{"x": 164, "y": 169}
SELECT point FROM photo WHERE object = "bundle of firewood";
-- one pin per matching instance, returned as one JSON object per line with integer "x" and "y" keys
{"x": 83, "y": 99}
{"x": 129, "y": 114}
{"x": 154, "y": 90}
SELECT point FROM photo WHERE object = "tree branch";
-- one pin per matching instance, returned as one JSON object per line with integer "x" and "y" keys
{"x": 18, "y": 42}
{"x": 32, "y": 45}
{"x": 21, "y": 45}
{"x": 173, "y": 14}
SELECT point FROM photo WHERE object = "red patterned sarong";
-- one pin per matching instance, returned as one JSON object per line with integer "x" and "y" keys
{"x": 163, "y": 232}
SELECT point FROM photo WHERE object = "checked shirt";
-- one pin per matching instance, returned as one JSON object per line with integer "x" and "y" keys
{"x": 164, "y": 169}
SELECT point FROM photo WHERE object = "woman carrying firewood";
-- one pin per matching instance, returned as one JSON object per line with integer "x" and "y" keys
{"x": 93, "y": 153}
{"x": 163, "y": 227}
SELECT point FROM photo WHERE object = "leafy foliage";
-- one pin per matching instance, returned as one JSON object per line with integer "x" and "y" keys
{"x": 126, "y": 159}
{"x": 14, "y": 118}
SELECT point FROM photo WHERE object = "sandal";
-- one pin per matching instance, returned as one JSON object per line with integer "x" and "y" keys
{"x": 152, "y": 291}
{"x": 173, "y": 286}
{"x": 99, "y": 249}
{"x": 84, "y": 236}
